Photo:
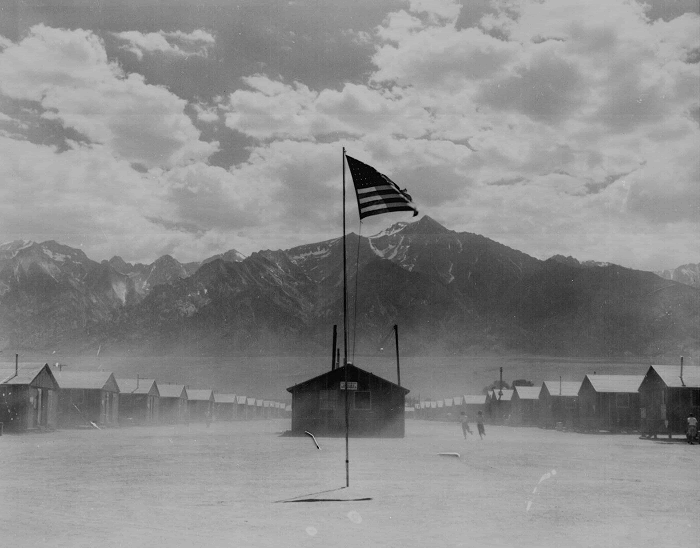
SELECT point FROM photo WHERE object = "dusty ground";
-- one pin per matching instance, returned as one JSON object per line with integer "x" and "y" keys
{"x": 227, "y": 486}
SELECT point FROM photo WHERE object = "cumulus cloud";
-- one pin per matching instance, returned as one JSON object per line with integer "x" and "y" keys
{"x": 138, "y": 43}
{"x": 210, "y": 197}
{"x": 138, "y": 184}
{"x": 437, "y": 10}
{"x": 197, "y": 36}
{"x": 206, "y": 114}
{"x": 580, "y": 104}
{"x": 69, "y": 75}
{"x": 86, "y": 196}
{"x": 273, "y": 109}
{"x": 176, "y": 43}
{"x": 563, "y": 126}
{"x": 78, "y": 195}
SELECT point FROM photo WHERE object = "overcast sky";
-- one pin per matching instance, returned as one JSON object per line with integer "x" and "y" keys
{"x": 140, "y": 128}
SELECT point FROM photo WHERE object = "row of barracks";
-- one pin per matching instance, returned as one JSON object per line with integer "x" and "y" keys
{"x": 657, "y": 402}
{"x": 449, "y": 408}
{"x": 33, "y": 396}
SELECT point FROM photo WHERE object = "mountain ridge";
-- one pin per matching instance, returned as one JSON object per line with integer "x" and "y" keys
{"x": 452, "y": 293}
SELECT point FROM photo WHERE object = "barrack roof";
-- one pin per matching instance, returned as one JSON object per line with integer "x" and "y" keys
{"x": 26, "y": 373}
{"x": 507, "y": 395}
{"x": 528, "y": 392}
{"x": 168, "y": 390}
{"x": 224, "y": 398}
{"x": 85, "y": 380}
{"x": 671, "y": 375}
{"x": 616, "y": 383}
{"x": 137, "y": 386}
{"x": 569, "y": 389}
{"x": 194, "y": 394}
{"x": 336, "y": 372}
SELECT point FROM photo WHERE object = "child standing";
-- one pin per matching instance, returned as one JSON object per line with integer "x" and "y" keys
{"x": 465, "y": 425}
{"x": 480, "y": 424}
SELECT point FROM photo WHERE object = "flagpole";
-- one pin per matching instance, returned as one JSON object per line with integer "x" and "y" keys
{"x": 398, "y": 365}
{"x": 345, "y": 340}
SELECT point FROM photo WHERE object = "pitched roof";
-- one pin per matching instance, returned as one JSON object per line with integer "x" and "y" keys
{"x": 475, "y": 400}
{"x": 528, "y": 392}
{"x": 26, "y": 373}
{"x": 671, "y": 375}
{"x": 340, "y": 372}
{"x": 172, "y": 390}
{"x": 137, "y": 386}
{"x": 504, "y": 395}
{"x": 194, "y": 394}
{"x": 616, "y": 383}
{"x": 569, "y": 389}
{"x": 224, "y": 398}
{"x": 86, "y": 380}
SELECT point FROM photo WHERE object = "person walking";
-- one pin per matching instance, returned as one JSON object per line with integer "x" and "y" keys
{"x": 480, "y": 424}
{"x": 465, "y": 425}
{"x": 692, "y": 429}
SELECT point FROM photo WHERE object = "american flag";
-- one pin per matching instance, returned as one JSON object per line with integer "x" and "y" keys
{"x": 376, "y": 193}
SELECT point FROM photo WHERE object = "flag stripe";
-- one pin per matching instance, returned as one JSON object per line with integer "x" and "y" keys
{"x": 373, "y": 200}
{"x": 369, "y": 213}
{"x": 397, "y": 207}
{"x": 378, "y": 188}
{"x": 375, "y": 192}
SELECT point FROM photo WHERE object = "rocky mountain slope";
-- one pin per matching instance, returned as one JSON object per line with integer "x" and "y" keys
{"x": 451, "y": 293}
{"x": 688, "y": 274}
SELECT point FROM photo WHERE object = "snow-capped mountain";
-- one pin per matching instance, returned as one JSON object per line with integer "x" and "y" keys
{"x": 145, "y": 277}
{"x": 451, "y": 293}
{"x": 688, "y": 274}
{"x": 230, "y": 256}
